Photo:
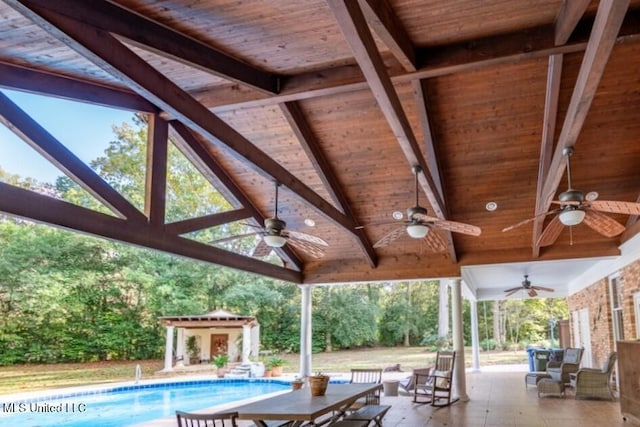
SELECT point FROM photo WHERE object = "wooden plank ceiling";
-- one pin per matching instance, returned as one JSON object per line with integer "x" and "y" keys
{"x": 338, "y": 101}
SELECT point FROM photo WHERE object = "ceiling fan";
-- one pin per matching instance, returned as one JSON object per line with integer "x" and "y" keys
{"x": 527, "y": 286}
{"x": 419, "y": 225}
{"x": 275, "y": 235}
{"x": 575, "y": 209}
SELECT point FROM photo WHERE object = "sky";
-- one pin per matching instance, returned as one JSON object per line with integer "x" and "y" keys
{"x": 84, "y": 129}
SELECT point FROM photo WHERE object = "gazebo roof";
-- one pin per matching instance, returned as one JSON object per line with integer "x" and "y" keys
{"x": 216, "y": 318}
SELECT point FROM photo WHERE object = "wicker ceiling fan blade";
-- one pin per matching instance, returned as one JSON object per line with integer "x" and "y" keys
{"x": 238, "y": 236}
{"x": 543, "y": 288}
{"x": 512, "y": 291}
{"x": 532, "y": 292}
{"x": 526, "y": 221}
{"x": 390, "y": 237}
{"x": 603, "y": 224}
{"x": 306, "y": 246}
{"x": 308, "y": 237}
{"x": 551, "y": 233}
{"x": 458, "y": 227}
{"x": 261, "y": 249}
{"x": 628, "y": 208}
{"x": 435, "y": 242}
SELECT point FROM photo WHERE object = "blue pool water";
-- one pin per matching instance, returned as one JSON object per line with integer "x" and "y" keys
{"x": 126, "y": 406}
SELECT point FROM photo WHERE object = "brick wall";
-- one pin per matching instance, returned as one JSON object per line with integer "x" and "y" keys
{"x": 597, "y": 299}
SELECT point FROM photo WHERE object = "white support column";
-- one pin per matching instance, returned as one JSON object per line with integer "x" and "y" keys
{"x": 180, "y": 347}
{"x": 246, "y": 343}
{"x": 305, "y": 331}
{"x": 475, "y": 340}
{"x": 168, "y": 351}
{"x": 443, "y": 310}
{"x": 459, "y": 378}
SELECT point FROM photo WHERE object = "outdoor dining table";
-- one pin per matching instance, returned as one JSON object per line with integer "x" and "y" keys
{"x": 300, "y": 407}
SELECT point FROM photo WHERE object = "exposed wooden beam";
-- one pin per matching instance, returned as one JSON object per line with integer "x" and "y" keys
{"x": 27, "y": 204}
{"x": 631, "y": 231}
{"x": 108, "y": 53}
{"x": 607, "y": 24}
{"x": 460, "y": 57}
{"x": 156, "y": 172}
{"x": 384, "y": 22}
{"x": 161, "y": 39}
{"x": 568, "y": 17}
{"x": 50, "y": 148}
{"x": 632, "y": 218}
{"x": 357, "y": 35}
{"x": 307, "y": 140}
{"x": 42, "y": 83}
{"x": 554, "y": 74}
{"x": 195, "y": 151}
{"x": 419, "y": 91}
{"x": 207, "y": 221}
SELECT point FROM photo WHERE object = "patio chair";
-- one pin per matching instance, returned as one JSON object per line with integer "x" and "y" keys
{"x": 220, "y": 419}
{"x": 366, "y": 376}
{"x": 407, "y": 384}
{"x": 596, "y": 383}
{"x": 570, "y": 363}
{"x": 436, "y": 387}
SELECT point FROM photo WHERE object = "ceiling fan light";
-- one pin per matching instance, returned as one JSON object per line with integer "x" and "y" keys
{"x": 417, "y": 231}
{"x": 274, "y": 241}
{"x": 572, "y": 217}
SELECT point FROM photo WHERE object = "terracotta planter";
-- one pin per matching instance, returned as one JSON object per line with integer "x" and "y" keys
{"x": 268, "y": 373}
{"x": 297, "y": 385}
{"x": 276, "y": 371}
{"x": 318, "y": 385}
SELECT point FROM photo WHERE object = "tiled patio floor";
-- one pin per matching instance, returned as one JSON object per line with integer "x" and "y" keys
{"x": 496, "y": 399}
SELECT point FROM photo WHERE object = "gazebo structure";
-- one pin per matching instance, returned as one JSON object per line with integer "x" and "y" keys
{"x": 216, "y": 333}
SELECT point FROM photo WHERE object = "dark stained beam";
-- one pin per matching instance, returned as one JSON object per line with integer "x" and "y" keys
{"x": 384, "y": 22}
{"x": 50, "y": 148}
{"x": 607, "y": 24}
{"x": 161, "y": 39}
{"x": 194, "y": 150}
{"x": 42, "y": 83}
{"x": 156, "y": 172}
{"x": 554, "y": 74}
{"x": 438, "y": 61}
{"x": 207, "y": 221}
{"x": 309, "y": 143}
{"x": 27, "y": 204}
{"x": 357, "y": 35}
{"x": 570, "y": 13}
{"x": 419, "y": 91}
{"x": 111, "y": 55}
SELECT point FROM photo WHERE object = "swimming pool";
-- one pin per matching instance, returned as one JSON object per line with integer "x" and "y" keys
{"x": 129, "y": 405}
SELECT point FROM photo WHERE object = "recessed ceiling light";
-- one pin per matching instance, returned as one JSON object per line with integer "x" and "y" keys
{"x": 591, "y": 196}
{"x": 491, "y": 206}
{"x": 309, "y": 222}
{"x": 397, "y": 215}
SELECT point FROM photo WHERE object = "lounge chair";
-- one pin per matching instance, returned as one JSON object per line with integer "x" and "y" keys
{"x": 595, "y": 383}
{"x": 570, "y": 363}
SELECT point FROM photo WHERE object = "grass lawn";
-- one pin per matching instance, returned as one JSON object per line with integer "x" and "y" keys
{"x": 22, "y": 378}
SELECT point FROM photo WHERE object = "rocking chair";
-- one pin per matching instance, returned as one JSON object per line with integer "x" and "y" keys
{"x": 436, "y": 387}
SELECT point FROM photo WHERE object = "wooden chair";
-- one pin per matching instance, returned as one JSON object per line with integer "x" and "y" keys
{"x": 366, "y": 376}
{"x": 220, "y": 419}
{"x": 436, "y": 387}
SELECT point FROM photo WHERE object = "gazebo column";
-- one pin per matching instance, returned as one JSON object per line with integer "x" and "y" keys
{"x": 458, "y": 340}
{"x": 180, "y": 347}
{"x": 246, "y": 343}
{"x": 168, "y": 351}
{"x": 475, "y": 341}
{"x": 305, "y": 331}
{"x": 443, "y": 310}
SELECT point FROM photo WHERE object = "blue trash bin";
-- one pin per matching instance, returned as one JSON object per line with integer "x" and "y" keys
{"x": 530, "y": 353}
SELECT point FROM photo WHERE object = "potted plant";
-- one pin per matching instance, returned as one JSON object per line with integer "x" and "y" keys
{"x": 193, "y": 349}
{"x": 318, "y": 384}
{"x": 220, "y": 361}
{"x": 297, "y": 383}
{"x": 276, "y": 363}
